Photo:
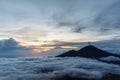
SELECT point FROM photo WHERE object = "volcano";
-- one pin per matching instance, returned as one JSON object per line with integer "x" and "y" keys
{"x": 89, "y": 51}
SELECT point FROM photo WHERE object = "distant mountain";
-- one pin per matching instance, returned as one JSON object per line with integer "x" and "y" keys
{"x": 70, "y": 53}
{"x": 94, "y": 53}
{"x": 88, "y": 52}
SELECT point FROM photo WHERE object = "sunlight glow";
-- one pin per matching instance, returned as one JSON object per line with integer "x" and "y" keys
{"x": 68, "y": 47}
{"x": 38, "y": 49}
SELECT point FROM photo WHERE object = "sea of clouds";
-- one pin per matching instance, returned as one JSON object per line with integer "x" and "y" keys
{"x": 52, "y": 68}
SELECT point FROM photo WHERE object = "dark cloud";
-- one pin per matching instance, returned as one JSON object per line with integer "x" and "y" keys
{"x": 109, "y": 18}
{"x": 9, "y": 43}
{"x": 81, "y": 17}
{"x": 69, "y": 16}
{"x": 75, "y": 25}
{"x": 11, "y": 48}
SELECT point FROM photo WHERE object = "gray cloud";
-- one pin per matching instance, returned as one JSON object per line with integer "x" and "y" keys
{"x": 82, "y": 18}
{"x": 109, "y": 17}
{"x": 11, "y": 48}
{"x": 9, "y": 43}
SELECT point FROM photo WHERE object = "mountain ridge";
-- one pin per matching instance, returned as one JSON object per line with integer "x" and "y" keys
{"x": 89, "y": 51}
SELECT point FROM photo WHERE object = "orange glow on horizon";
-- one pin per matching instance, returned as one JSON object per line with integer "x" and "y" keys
{"x": 68, "y": 47}
{"x": 42, "y": 49}
{"x": 31, "y": 43}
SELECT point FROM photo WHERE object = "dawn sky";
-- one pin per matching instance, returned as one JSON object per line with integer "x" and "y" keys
{"x": 44, "y": 22}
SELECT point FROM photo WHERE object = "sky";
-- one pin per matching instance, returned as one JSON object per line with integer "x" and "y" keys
{"x": 48, "y": 23}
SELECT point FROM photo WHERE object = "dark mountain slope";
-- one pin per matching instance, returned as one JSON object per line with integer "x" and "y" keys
{"x": 88, "y": 52}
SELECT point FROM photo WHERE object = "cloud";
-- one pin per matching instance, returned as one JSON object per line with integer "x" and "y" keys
{"x": 110, "y": 58}
{"x": 108, "y": 19}
{"x": 9, "y": 43}
{"x": 11, "y": 48}
{"x": 78, "y": 16}
{"x": 54, "y": 68}
{"x": 30, "y": 33}
{"x": 62, "y": 43}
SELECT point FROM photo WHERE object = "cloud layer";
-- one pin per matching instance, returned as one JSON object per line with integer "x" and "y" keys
{"x": 54, "y": 68}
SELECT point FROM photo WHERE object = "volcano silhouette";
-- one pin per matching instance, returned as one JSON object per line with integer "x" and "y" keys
{"x": 88, "y": 52}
